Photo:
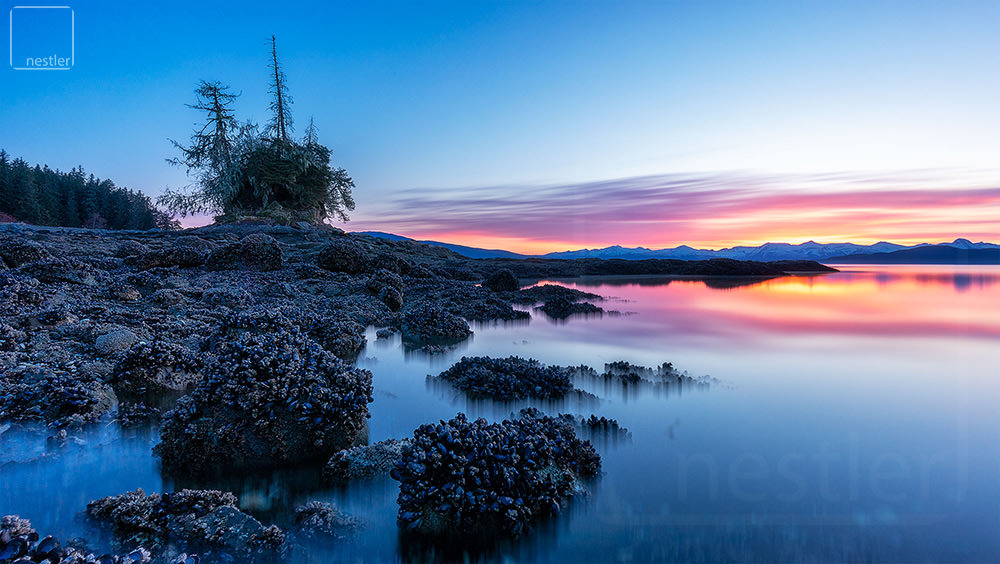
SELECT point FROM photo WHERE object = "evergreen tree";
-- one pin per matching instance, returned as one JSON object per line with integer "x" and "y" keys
{"x": 43, "y": 196}
{"x": 262, "y": 173}
{"x": 280, "y": 126}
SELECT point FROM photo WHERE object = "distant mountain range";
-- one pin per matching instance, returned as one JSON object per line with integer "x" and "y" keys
{"x": 959, "y": 251}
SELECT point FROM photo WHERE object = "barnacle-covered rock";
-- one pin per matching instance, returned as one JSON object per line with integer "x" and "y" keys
{"x": 16, "y": 251}
{"x": 256, "y": 251}
{"x": 55, "y": 396}
{"x": 179, "y": 255}
{"x": 268, "y": 399}
{"x": 10, "y": 338}
{"x": 192, "y": 517}
{"x": 130, "y": 248}
{"x": 508, "y": 378}
{"x": 21, "y": 544}
{"x": 195, "y": 242}
{"x": 18, "y": 290}
{"x": 156, "y": 367}
{"x": 342, "y": 337}
{"x": 62, "y": 270}
{"x": 365, "y": 461}
{"x": 344, "y": 255}
{"x": 167, "y": 297}
{"x": 122, "y": 291}
{"x": 549, "y": 292}
{"x": 392, "y": 263}
{"x": 115, "y": 342}
{"x": 323, "y": 521}
{"x": 561, "y": 308}
{"x": 339, "y": 335}
{"x": 502, "y": 281}
{"x": 466, "y": 477}
{"x": 228, "y": 296}
{"x": 382, "y": 278}
{"x": 432, "y": 324}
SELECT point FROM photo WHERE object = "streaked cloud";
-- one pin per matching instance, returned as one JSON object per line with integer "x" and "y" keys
{"x": 711, "y": 210}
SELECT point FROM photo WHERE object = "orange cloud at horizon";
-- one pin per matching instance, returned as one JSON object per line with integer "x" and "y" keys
{"x": 706, "y": 211}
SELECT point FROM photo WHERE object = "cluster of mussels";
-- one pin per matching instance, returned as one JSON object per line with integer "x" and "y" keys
{"x": 20, "y": 544}
{"x": 474, "y": 477}
{"x": 268, "y": 398}
{"x": 509, "y": 378}
{"x": 205, "y": 518}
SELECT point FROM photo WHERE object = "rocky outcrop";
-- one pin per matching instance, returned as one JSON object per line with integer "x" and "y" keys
{"x": 463, "y": 478}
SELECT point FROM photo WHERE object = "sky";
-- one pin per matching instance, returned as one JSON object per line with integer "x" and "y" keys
{"x": 544, "y": 126}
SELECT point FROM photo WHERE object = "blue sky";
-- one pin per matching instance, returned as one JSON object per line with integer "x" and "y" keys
{"x": 517, "y": 95}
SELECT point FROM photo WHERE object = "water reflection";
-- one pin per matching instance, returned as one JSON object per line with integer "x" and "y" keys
{"x": 854, "y": 418}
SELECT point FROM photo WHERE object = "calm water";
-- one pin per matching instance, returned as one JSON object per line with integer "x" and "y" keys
{"x": 853, "y": 416}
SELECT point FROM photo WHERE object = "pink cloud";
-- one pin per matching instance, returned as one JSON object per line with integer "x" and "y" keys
{"x": 710, "y": 210}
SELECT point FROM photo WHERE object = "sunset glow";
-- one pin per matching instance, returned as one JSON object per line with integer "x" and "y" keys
{"x": 703, "y": 211}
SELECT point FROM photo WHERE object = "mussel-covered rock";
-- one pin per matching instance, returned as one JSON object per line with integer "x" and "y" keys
{"x": 508, "y": 378}
{"x": 365, "y": 461}
{"x": 429, "y": 323}
{"x": 388, "y": 286}
{"x": 122, "y": 291}
{"x": 114, "y": 342}
{"x": 323, "y": 521}
{"x": 561, "y": 308}
{"x": 62, "y": 270}
{"x": 268, "y": 399}
{"x": 130, "y": 248}
{"x": 548, "y": 292}
{"x": 344, "y": 255}
{"x": 502, "y": 281}
{"x": 466, "y": 477}
{"x": 343, "y": 337}
{"x": 155, "y": 367}
{"x": 195, "y": 518}
{"x": 56, "y": 396}
{"x": 181, "y": 256}
{"x": 257, "y": 251}
{"x": 21, "y": 544}
{"x": 16, "y": 251}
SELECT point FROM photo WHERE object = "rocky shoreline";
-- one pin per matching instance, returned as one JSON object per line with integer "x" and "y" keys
{"x": 238, "y": 341}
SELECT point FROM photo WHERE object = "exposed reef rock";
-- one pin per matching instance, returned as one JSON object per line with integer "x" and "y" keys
{"x": 193, "y": 518}
{"x": 502, "y": 281}
{"x": 477, "y": 478}
{"x": 156, "y": 367}
{"x": 256, "y": 251}
{"x": 365, "y": 461}
{"x": 561, "y": 308}
{"x": 324, "y": 522}
{"x": 344, "y": 256}
{"x": 21, "y": 544}
{"x": 58, "y": 396}
{"x": 268, "y": 399}
{"x": 508, "y": 378}
{"x": 432, "y": 324}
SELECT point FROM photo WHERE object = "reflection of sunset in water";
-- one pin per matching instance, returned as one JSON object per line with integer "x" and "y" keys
{"x": 889, "y": 301}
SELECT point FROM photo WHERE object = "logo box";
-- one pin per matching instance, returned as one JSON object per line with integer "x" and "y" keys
{"x": 42, "y": 38}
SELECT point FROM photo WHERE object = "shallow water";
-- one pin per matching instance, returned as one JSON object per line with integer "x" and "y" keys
{"x": 852, "y": 416}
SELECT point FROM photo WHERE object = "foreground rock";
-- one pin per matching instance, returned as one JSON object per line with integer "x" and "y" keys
{"x": 476, "y": 478}
{"x": 365, "y": 461}
{"x": 431, "y": 324}
{"x": 21, "y": 544}
{"x": 324, "y": 522}
{"x": 193, "y": 519}
{"x": 508, "y": 378}
{"x": 270, "y": 398}
{"x": 256, "y": 251}
{"x": 61, "y": 396}
{"x": 155, "y": 368}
